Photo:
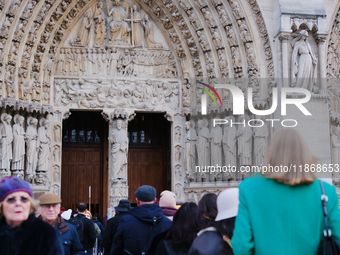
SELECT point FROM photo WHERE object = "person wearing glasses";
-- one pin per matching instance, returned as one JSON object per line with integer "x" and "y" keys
{"x": 49, "y": 212}
{"x": 20, "y": 231}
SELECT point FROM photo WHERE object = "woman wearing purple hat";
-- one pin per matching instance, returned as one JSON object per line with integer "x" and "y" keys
{"x": 20, "y": 231}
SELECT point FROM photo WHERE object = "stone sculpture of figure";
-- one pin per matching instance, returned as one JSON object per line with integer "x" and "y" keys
{"x": 244, "y": 142}
{"x": 304, "y": 62}
{"x": 56, "y": 189}
{"x": 335, "y": 141}
{"x": 229, "y": 145}
{"x": 83, "y": 62}
{"x": 194, "y": 19}
{"x": 203, "y": 41}
{"x": 35, "y": 90}
{"x": 231, "y": 36}
{"x": 6, "y": 26}
{"x": 56, "y": 173}
{"x": 31, "y": 148}
{"x": 6, "y": 141}
{"x": 137, "y": 29}
{"x": 216, "y": 149}
{"x": 178, "y": 134}
{"x": 119, "y": 149}
{"x": 18, "y": 143}
{"x": 23, "y": 84}
{"x": 223, "y": 15}
{"x": 14, "y": 7}
{"x": 56, "y": 132}
{"x": 56, "y": 153}
{"x": 250, "y": 55}
{"x": 236, "y": 58}
{"x": 208, "y": 17}
{"x": 44, "y": 146}
{"x": 245, "y": 34}
{"x": 84, "y": 30}
{"x": 99, "y": 19}
{"x": 48, "y": 69}
{"x": 190, "y": 148}
{"x": 216, "y": 37}
{"x": 9, "y": 81}
{"x": 260, "y": 143}
{"x": 178, "y": 154}
{"x": 113, "y": 62}
{"x": 61, "y": 62}
{"x": 149, "y": 34}
{"x": 237, "y": 12}
{"x": 222, "y": 61}
{"x": 119, "y": 29}
{"x": 203, "y": 146}
{"x": 77, "y": 62}
{"x": 127, "y": 63}
{"x": 28, "y": 9}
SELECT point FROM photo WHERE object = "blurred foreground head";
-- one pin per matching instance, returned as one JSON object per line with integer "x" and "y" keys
{"x": 288, "y": 148}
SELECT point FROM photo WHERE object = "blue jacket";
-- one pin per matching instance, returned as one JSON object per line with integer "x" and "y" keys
{"x": 69, "y": 238}
{"x": 137, "y": 229}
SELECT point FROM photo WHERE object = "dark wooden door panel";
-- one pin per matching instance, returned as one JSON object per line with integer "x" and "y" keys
{"x": 145, "y": 167}
{"x": 149, "y": 150}
{"x": 81, "y": 169}
{"x": 85, "y": 161}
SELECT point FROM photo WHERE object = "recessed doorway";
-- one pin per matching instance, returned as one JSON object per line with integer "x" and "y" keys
{"x": 83, "y": 162}
{"x": 149, "y": 159}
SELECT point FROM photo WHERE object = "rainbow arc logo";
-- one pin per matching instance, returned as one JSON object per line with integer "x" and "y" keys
{"x": 204, "y": 96}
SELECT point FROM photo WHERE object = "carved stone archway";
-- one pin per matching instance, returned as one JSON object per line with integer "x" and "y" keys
{"x": 203, "y": 39}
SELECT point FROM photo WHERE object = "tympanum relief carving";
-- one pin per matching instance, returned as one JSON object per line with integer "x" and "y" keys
{"x": 114, "y": 62}
{"x": 98, "y": 93}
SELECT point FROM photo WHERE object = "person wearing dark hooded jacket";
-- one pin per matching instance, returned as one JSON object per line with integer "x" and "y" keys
{"x": 112, "y": 224}
{"x": 137, "y": 229}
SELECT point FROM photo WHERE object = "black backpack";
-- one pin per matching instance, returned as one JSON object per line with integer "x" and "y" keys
{"x": 79, "y": 224}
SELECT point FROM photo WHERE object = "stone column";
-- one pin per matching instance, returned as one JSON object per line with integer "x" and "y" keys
{"x": 56, "y": 149}
{"x": 321, "y": 41}
{"x": 285, "y": 66}
{"x": 178, "y": 159}
{"x": 118, "y": 186}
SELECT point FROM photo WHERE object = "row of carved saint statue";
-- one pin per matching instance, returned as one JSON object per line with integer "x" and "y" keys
{"x": 228, "y": 145}
{"x": 32, "y": 159}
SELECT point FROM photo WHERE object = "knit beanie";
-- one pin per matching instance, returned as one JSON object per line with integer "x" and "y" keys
{"x": 146, "y": 193}
{"x": 10, "y": 185}
{"x": 167, "y": 199}
{"x": 67, "y": 214}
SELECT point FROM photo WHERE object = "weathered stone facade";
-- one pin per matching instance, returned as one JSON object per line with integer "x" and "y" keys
{"x": 147, "y": 55}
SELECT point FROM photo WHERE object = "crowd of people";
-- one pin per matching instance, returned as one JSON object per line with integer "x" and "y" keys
{"x": 270, "y": 213}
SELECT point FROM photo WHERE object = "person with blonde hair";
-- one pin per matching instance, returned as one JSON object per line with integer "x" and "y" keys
{"x": 280, "y": 212}
{"x": 20, "y": 231}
